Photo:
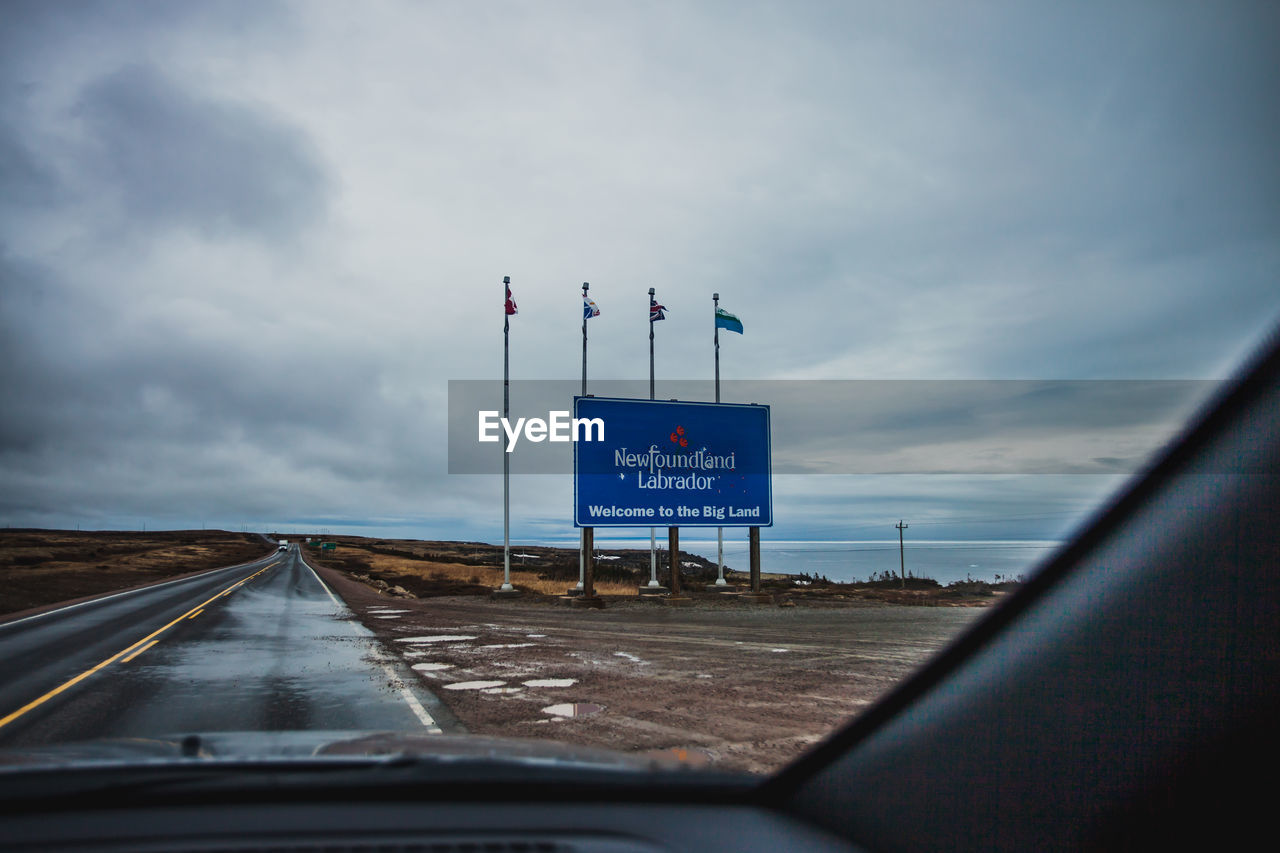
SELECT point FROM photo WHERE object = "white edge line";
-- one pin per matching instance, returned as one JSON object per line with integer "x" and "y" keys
{"x": 323, "y": 585}
{"x": 4, "y": 625}
{"x": 412, "y": 701}
{"x": 414, "y": 705}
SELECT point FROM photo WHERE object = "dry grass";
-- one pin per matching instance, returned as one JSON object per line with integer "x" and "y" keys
{"x": 388, "y": 567}
{"x": 39, "y": 567}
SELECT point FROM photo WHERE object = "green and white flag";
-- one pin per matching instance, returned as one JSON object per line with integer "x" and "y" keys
{"x": 725, "y": 320}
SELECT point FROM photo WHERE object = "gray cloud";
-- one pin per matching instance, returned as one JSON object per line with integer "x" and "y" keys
{"x": 243, "y": 247}
{"x": 173, "y": 158}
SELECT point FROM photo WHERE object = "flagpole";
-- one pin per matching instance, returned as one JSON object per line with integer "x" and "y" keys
{"x": 506, "y": 457}
{"x": 582, "y": 531}
{"x": 653, "y": 533}
{"x": 715, "y": 299}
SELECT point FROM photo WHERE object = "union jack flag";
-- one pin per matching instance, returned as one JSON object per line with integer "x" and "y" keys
{"x": 656, "y": 311}
{"x": 511, "y": 303}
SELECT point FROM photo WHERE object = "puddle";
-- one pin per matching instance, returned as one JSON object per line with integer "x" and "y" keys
{"x": 503, "y": 690}
{"x": 508, "y": 646}
{"x": 629, "y": 657}
{"x": 573, "y": 709}
{"x": 438, "y": 638}
{"x": 535, "y": 636}
{"x": 687, "y": 756}
{"x": 432, "y": 667}
{"x": 385, "y": 616}
{"x": 381, "y": 611}
{"x": 473, "y": 685}
{"x": 700, "y": 675}
{"x": 551, "y": 682}
{"x": 779, "y": 650}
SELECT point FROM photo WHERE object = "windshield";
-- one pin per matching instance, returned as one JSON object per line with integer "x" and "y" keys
{"x": 310, "y": 310}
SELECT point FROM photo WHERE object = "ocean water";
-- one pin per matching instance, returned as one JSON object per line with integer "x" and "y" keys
{"x": 848, "y": 560}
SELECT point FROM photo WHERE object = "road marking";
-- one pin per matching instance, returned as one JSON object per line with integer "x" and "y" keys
{"x": 197, "y": 613}
{"x": 139, "y": 651}
{"x": 4, "y": 625}
{"x": 323, "y": 585}
{"x": 37, "y": 702}
{"x": 414, "y": 705}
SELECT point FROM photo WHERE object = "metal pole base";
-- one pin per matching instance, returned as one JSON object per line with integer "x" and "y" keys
{"x": 653, "y": 591}
{"x": 506, "y": 591}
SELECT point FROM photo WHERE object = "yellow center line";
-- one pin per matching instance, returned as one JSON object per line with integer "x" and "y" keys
{"x": 197, "y": 613}
{"x": 138, "y": 652}
{"x": 131, "y": 651}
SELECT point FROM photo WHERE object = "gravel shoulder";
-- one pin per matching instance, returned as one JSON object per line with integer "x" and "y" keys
{"x": 723, "y": 683}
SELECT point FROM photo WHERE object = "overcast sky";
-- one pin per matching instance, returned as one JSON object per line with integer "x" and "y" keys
{"x": 244, "y": 246}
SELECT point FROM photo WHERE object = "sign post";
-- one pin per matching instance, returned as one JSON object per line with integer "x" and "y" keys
{"x": 753, "y": 536}
{"x": 588, "y": 598}
{"x": 673, "y": 546}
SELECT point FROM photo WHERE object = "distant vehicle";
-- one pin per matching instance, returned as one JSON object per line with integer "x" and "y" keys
{"x": 284, "y": 545}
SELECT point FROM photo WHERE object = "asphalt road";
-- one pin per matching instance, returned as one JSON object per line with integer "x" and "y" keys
{"x": 260, "y": 647}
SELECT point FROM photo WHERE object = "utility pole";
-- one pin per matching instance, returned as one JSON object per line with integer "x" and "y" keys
{"x": 902, "y": 560}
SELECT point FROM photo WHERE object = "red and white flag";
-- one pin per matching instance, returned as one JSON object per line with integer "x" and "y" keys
{"x": 511, "y": 303}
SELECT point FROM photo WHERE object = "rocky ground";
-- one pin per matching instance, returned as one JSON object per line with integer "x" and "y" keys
{"x": 722, "y": 682}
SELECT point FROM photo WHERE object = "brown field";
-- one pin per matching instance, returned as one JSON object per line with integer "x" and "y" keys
{"x": 39, "y": 568}
{"x": 424, "y": 577}
{"x": 43, "y": 567}
{"x": 426, "y": 569}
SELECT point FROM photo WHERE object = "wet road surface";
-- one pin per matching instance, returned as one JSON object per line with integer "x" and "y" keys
{"x": 260, "y": 647}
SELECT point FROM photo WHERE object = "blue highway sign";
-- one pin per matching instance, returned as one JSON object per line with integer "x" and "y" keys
{"x": 671, "y": 464}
